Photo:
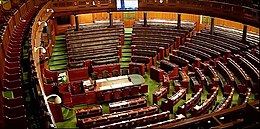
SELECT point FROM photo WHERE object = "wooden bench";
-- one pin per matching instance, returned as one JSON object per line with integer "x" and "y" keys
{"x": 160, "y": 93}
{"x": 88, "y": 112}
{"x": 228, "y": 76}
{"x": 206, "y": 105}
{"x": 179, "y": 61}
{"x": 137, "y": 68}
{"x": 240, "y": 74}
{"x": 143, "y": 59}
{"x": 127, "y": 104}
{"x": 170, "y": 68}
{"x": 117, "y": 116}
{"x": 163, "y": 116}
{"x": 156, "y": 74}
{"x": 173, "y": 100}
{"x": 228, "y": 101}
{"x": 148, "y": 53}
{"x": 188, "y": 105}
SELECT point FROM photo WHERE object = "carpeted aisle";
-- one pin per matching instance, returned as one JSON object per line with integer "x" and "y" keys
{"x": 59, "y": 58}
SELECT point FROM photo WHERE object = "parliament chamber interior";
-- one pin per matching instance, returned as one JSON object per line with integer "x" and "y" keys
{"x": 129, "y": 64}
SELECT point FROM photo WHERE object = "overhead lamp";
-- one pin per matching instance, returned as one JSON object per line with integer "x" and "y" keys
{"x": 39, "y": 23}
{"x": 57, "y": 99}
{"x": 43, "y": 50}
{"x": 45, "y": 24}
{"x": 50, "y": 10}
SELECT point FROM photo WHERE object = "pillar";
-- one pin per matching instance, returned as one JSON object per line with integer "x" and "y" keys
{"x": 145, "y": 19}
{"x": 244, "y": 33}
{"x": 178, "y": 20}
{"x": 77, "y": 22}
{"x": 110, "y": 19}
{"x": 212, "y": 29}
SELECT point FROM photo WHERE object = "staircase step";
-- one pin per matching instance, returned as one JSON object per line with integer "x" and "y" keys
{"x": 62, "y": 45}
{"x": 58, "y": 67}
{"x": 128, "y": 35}
{"x": 126, "y": 47}
{"x": 60, "y": 62}
{"x": 124, "y": 65}
{"x": 126, "y": 50}
{"x": 128, "y": 30}
{"x": 59, "y": 53}
{"x": 128, "y": 38}
{"x": 60, "y": 37}
{"x": 127, "y": 42}
{"x": 126, "y": 54}
{"x": 125, "y": 59}
{"x": 55, "y": 58}
{"x": 58, "y": 49}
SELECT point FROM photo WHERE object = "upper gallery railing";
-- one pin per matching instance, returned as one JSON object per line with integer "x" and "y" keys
{"x": 229, "y": 11}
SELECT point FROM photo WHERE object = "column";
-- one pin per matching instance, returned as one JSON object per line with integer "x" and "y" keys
{"x": 244, "y": 33}
{"x": 178, "y": 20}
{"x": 145, "y": 19}
{"x": 110, "y": 19}
{"x": 77, "y": 22}
{"x": 212, "y": 29}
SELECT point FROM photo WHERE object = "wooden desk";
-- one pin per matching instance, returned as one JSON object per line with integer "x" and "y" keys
{"x": 160, "y": 93}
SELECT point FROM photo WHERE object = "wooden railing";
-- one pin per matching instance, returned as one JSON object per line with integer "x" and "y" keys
{"x": 37, "y": 28}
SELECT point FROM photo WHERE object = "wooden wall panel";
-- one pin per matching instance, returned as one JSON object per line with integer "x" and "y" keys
{"x": 139, "y": 15}
{"x": 235, "y": 25}
{"x": 100, "y": 16}
{"x": 118, "y": 16}
{"x": 85, "y": 18}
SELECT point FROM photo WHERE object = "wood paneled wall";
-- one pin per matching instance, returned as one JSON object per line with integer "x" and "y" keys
{"x": 128, "y": 22}
{"x": 235, "y": 25}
